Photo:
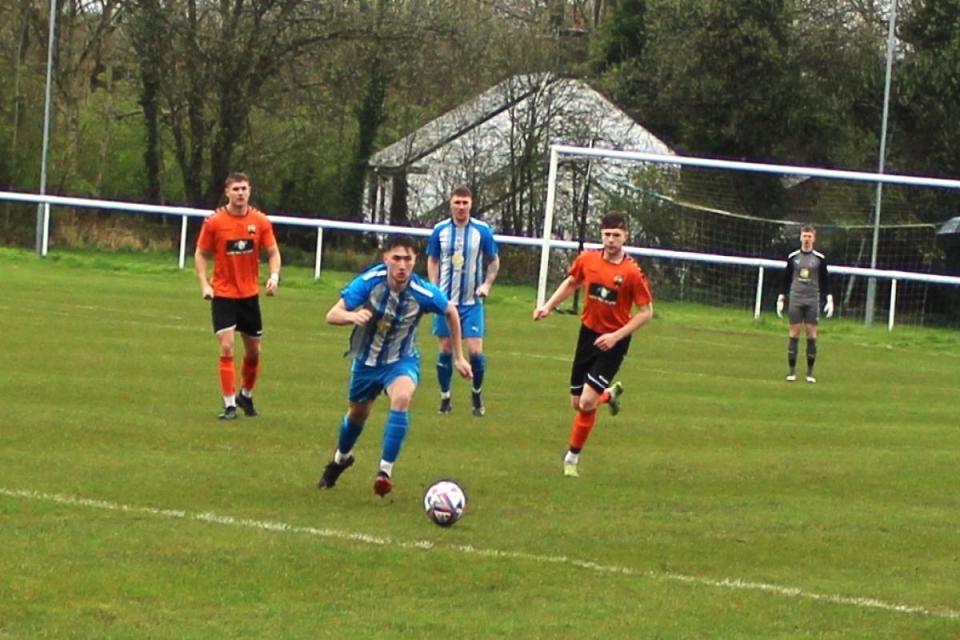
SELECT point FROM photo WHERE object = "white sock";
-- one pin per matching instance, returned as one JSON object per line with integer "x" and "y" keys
{"x": 245, "y": 393}
{"x": 571, "y": 458}
{"x": 340, "y": 457}
{"x": 230, "y": 401}
{"x": 386, "y": 467}
{"x": 444, "y": 395}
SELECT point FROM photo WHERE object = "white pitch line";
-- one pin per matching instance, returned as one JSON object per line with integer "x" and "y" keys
{"x": 267, "y": 525}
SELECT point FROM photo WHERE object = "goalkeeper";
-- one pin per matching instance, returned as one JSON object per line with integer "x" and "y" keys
{"x": 805, "y": 282}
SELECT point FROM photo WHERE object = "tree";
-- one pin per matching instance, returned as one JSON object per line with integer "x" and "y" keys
{"x": 215, "y": 60}
{"x": 929, "y": 104}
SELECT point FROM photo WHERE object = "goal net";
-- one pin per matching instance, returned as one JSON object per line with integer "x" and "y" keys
{"x": 718, "y": 233}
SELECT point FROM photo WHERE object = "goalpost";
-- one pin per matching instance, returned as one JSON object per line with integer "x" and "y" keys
{"x": 710, "y": 230}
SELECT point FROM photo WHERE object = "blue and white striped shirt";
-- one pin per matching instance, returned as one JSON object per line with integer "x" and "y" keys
{"x": 463, "y": 253}
{"x": 391, "y": 333}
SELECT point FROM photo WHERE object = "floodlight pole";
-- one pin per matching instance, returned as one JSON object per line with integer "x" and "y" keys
{"x": 43, "y": 210}
{"x": 872, "y": 282}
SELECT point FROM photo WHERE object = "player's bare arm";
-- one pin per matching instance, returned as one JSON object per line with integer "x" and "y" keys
{"x": 456, "y": 341}
{"x": 433, "y": 269}
{"x": 493, "y": 268}
{"x": 274, "y": 262}
{"x": 339, "y": 315}
{"x": 607, "y": 341}
{"x": 564, "y": 291}
{"x": 200, "y": 260}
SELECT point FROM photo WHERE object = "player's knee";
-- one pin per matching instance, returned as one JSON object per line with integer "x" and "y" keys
{"x": 587, "y": 404}
{"x": 400, "y": 402}
{"x": 358, "y": 413}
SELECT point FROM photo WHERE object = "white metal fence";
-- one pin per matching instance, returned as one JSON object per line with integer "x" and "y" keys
{"x": 545, "y": 244}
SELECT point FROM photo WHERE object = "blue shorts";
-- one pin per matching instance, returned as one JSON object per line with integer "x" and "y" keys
{"x": 366, "y": 383}
{"x": 471, "y": 322}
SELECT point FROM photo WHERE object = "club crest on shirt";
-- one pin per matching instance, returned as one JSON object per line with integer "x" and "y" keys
{"x": 618, "y": 280}
{"x": 603, "y": 294}
{"x": 239, "y": 247}
{"x": 457, "y": 259}
{"x": 252, "y": 229}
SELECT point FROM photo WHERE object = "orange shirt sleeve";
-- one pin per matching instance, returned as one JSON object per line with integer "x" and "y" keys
{"x": 207, "y": 237}
{"x": 641, "y": 289}
{"x": 576, "y": 269}
{"x": 267, "y": 238}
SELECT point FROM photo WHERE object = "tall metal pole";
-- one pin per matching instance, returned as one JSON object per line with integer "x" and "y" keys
{"x": 872, "y": 282}
{"x": 43, "y": 210}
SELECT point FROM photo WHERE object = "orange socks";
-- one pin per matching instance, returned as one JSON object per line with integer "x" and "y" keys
{"x": 582, "y": 425}
{"x": 228, "y": 377}
{"x": 250, "y": 369}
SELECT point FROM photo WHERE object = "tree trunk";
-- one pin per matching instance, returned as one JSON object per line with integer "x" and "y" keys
{"x": 107, "y": 118}
{"x": 148, "y": 40}
{"x": 399, "y": 214}
{"x": 370, "y": 115}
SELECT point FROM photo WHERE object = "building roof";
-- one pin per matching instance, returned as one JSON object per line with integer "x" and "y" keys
{"x": 576, "y": 98}
{"x": 521, "y": 116}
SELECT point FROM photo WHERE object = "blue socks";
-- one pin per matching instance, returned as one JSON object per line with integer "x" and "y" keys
{"x": 479, "y": 364}
{"x": 444, "y": 371}
{"x": 349, "y": 433}
{"x": 396, "y": 430}
{"x": 398, "y": 422}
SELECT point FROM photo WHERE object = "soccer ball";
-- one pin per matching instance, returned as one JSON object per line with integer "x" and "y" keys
{"x": 444, "y": 502}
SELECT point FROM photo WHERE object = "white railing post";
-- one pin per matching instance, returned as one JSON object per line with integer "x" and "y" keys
{"x": 183, "y": 241}
{"x": 893, "y": 304}
{"x": 759, "y": 295}
{"x": 45, "y": 240}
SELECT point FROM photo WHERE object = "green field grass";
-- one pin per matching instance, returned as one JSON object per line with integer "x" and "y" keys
{"x": 722, "y": 503}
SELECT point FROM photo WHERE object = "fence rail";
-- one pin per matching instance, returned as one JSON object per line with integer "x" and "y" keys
{"x": 185, "y": 213}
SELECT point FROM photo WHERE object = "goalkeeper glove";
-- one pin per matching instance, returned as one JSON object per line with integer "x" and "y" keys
{"x": 780, "y": 300}
{"x": 828, "y": 308}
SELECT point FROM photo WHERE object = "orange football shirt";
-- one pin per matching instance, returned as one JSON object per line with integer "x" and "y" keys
{"x": 236, "y": 243}
{"x": 610, "y": 290}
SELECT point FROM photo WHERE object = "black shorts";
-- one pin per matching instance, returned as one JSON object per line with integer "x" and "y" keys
{"x": 241, "y": 314}
{"x": 594, "y": 367}
{"x": 803, "y": 313}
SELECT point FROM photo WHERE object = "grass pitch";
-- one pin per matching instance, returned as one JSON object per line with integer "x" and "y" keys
{"x": 722, "y": 503}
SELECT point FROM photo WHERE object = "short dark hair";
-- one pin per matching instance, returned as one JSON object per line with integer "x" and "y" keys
{"x": 808, "y": 228}
{"x": 236, "y": 176}
{"x": 463, "y": 191}
{"x": 614, "y": 220}
{"x": 400, "y": 240}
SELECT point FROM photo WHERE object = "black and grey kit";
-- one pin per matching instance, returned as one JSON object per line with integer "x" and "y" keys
{"x": 806, "y": 287}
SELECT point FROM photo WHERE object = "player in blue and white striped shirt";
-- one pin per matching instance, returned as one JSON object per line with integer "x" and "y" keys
{"x": 463, "y": 260}
{"x": 385, "y": 304}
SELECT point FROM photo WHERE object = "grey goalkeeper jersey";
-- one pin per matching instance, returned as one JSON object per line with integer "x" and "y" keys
{"x": 806, "y": 278}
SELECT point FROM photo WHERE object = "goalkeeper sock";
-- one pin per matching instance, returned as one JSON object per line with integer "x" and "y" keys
{"x": 811, "y": 354}
{"x": 792, "y": 348}
{"x": 444, "y": 372}
{"x": 583, "y": 423}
